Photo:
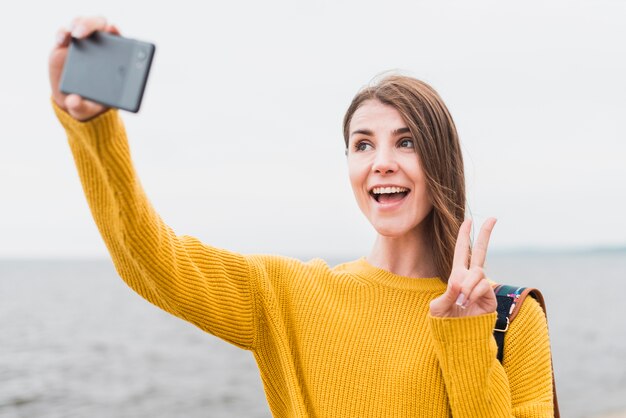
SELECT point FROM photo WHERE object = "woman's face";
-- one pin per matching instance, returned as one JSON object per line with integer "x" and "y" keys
{"x": 385, "y": 171}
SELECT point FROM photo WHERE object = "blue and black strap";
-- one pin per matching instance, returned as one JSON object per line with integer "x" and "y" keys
{"x": 510, "y": 299}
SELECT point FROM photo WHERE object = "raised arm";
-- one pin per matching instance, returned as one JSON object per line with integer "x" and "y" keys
{"x": 212, "y": 288}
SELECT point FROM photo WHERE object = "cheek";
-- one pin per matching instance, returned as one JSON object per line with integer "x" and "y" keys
{"x": 418, "y": 178}
{"x": 358, "y": 181}
{"x": 413, "y": 169}
{"x": 421, "y": 191}
{"x": 423, "y": 196}
{"x": 357, "y": 175}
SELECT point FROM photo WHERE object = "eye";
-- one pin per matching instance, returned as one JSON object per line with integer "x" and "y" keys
{"x": 406, "y": 143}
{"x": 362, "y": 146}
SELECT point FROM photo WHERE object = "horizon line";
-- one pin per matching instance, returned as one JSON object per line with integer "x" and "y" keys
{"x": 524, "y": 250}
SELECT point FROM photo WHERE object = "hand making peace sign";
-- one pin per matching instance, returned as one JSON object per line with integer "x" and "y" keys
{"x": 469, "y": 293}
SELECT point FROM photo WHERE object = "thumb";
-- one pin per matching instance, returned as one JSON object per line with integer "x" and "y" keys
{"x": 442, "y": 305}
{"x": 82, "y": 109}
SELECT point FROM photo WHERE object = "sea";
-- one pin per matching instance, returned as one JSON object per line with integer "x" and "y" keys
{"x": 75, "y": 341}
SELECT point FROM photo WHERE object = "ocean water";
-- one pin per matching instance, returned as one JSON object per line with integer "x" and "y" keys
{"x": 75, "y": 341}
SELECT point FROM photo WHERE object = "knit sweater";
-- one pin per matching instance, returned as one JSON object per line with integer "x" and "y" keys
{"x": 348, "y": 341}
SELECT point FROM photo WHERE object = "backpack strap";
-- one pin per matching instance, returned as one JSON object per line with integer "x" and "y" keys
{"x": 510, "y": 299}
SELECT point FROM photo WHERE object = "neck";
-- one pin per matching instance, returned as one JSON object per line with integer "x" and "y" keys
{"x": 410, "y": 255}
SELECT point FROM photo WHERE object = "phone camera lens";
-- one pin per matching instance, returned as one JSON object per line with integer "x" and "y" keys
{"x": 142, "y": 55}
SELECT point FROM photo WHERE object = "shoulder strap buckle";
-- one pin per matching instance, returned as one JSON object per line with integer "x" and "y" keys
{"x": 500, "y": 327}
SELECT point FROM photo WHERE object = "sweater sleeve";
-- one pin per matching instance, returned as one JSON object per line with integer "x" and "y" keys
{"x": 477, "y": 384}
{"x": 212, "y": 288}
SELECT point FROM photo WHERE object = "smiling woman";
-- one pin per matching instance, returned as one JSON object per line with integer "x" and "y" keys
{"x": 385, "y": 172}
{"x": 400, "y": 129}
{"x": 405, "y": 331}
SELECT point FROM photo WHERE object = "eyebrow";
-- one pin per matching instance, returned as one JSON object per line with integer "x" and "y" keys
{"x": 399, "y": 131}
{"x": 370, "y": 133}
{"x": 362, "y": 131}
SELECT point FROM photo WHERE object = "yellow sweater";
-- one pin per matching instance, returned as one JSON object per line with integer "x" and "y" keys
{"x": 349, "y": 341}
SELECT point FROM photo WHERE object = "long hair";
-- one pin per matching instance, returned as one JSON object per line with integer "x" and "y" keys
{"x": 439, "y": 151}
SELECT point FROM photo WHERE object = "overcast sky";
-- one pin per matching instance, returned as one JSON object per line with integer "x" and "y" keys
{"x": 239, "y": 138}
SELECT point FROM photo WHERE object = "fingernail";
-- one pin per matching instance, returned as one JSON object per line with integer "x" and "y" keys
{"x": 60, "y": 38}
{"x": 459, "y": 300}
{"x": 79, "y": 31}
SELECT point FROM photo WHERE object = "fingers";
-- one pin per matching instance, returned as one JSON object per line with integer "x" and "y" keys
{"x": 113, "y": 29}
{"x": 468, "y": 286}
{"x": 473, "y": 277}
{"x": 479, "y": 250}
{"x": 82, "y": 27}
{"x": 480, "y": 290}
{"x": 452, "y": 293}
{"x": 63, "y": 38}
{"x": 444, "y": 306}
{"x": 461, "y": 249}
{"x": 82, "y": 109}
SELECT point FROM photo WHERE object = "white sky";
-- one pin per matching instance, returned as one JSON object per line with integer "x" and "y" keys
{"x": 239, "y": 138}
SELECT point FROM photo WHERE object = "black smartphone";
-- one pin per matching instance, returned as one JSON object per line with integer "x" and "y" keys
{"x": 108, "y": 69}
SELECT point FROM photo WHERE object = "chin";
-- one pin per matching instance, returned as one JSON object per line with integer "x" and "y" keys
{"x": 392, "y": 230}
{"x": 395, "y": 227}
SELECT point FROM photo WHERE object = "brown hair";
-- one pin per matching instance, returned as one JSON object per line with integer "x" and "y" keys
{"x": 439, "y": 150}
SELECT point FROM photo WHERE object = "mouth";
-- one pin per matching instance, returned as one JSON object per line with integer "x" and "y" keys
{"x": 386, "y": 195}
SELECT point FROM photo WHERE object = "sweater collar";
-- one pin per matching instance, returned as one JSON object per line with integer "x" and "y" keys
{"x": 386, "y": 278}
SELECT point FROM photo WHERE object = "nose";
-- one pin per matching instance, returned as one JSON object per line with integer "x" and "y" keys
{"x": 384, "y": 162}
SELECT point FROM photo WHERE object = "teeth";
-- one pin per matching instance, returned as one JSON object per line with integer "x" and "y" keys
{"x": 386, "y": 190}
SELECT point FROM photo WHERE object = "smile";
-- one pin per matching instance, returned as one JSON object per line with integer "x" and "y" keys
{"x": 389, "y": 194}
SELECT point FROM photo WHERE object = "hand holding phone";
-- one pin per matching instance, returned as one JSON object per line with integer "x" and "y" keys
{"x": 78, "y": 107}
{"x": 108, "y": 69}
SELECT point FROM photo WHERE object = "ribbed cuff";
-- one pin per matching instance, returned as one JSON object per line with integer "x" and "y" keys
{"x": 94, "y": 130}
{"x": 469, "y": 328}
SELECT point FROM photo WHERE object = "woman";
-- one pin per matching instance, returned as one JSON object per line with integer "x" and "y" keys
{"x": 406, "y": 331}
